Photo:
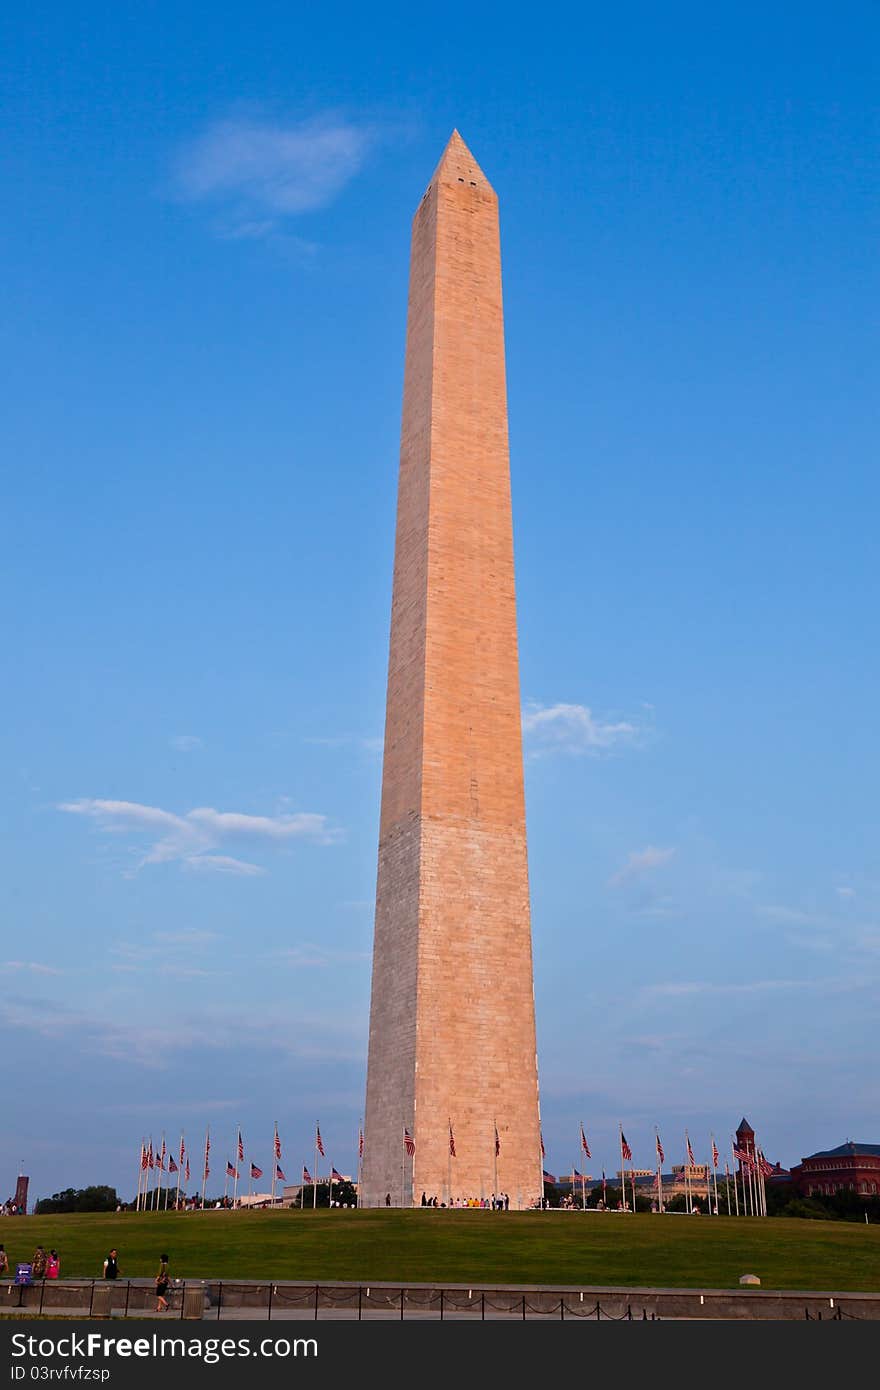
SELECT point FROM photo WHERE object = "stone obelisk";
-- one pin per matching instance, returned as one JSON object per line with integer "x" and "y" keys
{"x": 452, "y": 1056}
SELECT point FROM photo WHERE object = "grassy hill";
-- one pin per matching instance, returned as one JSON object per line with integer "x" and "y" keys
{"x": 570, "y": 1248}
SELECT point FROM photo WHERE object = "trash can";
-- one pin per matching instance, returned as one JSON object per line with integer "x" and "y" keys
{"x": 102, "y": 1300}
{"x": 194, "y": 1298}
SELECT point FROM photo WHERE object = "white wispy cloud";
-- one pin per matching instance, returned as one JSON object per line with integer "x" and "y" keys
{"x": 308, "y": 954}
{"x": 639, "y": 862}
{"x": 369, "y": 745}
{"x": 186, "y": 743}
{"x": 192, "y": 838}
{"x": 573, "y": 729}
{"x": 321, "y": 1039}
{"x": 224, "y": 864}
{"x": 263, "y": 172}
{"x": 33, "y": 966}
{"x": 787, "y": 916}
{"x": 691, "y": 988}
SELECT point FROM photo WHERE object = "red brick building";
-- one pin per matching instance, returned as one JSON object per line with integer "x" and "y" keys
{"x": 850, "y": 1167}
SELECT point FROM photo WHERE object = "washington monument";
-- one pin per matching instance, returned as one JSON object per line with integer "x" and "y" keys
{"x": 452, "y": 1062}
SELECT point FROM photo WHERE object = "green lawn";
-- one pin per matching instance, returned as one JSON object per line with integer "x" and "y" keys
{"x": 514, "y": 1248}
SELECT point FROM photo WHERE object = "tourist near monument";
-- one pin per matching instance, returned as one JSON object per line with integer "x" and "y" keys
{"x": 452, "y": 1084}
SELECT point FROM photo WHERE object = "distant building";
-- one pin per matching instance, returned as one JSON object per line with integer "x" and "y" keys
{"x": 850, "y": 1167}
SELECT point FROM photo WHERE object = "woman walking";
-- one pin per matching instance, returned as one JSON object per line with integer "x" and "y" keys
{"x": 162, "y": 1282}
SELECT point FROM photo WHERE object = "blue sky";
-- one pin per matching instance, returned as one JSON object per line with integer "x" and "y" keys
{"x": 205, "y": 260}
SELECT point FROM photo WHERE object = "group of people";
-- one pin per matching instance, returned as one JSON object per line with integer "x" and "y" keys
{"x": 497, "y": 1202}
{"x": 43, "y": 1266}
{"x": 48, "y": 1266}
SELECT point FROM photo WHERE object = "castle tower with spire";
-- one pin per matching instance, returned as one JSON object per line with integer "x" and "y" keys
{"x": 452, "y": 1061}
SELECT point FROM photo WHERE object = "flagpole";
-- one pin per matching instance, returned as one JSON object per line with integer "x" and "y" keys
{"x": 315, "y": 1174}
{"x": 275, "y": 1147}
{"x": 449, "y": 1168}
{"x": 238, "y": 1159}
{"x": 226, "y": 1185}
{"x": 714, "y": 1172}
{"x": 735, "y": 1183}
{"x": 687, "y": 1178}
{"x": 360, "y": 1160}
{"x": 205, "y": 1165}
{"x": 495, "y": 1155}
{"x": 727, "y": 1185}
{"x": 659, "y": 1170}
{"x": 402, "y": 1164}
{"x": 622, "y": 1171}
{"x": 583, "y": 1160}
{"x": 137, "y": 1204}
{"x": 179, "y": 1170}
{"x": 159, "y": 1168}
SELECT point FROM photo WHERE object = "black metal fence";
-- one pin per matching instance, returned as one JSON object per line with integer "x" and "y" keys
{"x": 217, "y": 1300}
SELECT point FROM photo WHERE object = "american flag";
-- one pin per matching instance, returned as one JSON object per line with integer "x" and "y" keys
{"x": 150, "y": 1160}
{"x": 278, "y": 1173}
{"x": 360, "y": 1143}
{"x": 240, "y": 1148}
{"x": 691, "y": 1160}
{"x": 766, "y": 1168}
{"x": 182, "y": 1153}
{"x": 255, "y": 1171}
{"x": 715, "y": 1154}
{"x": 584, "y": 1145}
{"x": 143, "y": 1156}
{"x": 660, "y": 1154}
{"x": 543, "y": 1155}
{"x": 207, "y": 1151}
{"x": 319, "y": 1145}
{"x": 497, "y": 1143}
{"x": 231, "y": 1170}
{"x": 172, "y": 1166}
{"x": 307, "y": 1177}
{"x": 409, "y": 1143}
{"x": 160, "y": 1159}
{"x": 277, "y": 1144}
{"x": 336, "y": 1177}
{"x": 626, "y": 1152}
{"x": 451, "y": 1140}
{"x": 186, "y": 1171}
{"x": 548, "y": 1177}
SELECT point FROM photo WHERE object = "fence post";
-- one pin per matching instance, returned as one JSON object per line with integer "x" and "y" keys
{"x": 360, "y": 1300}
{"x": 524, "y": 1308}
{"x": 219, "y": 1298}
{"x": 598, "y": 1311}
{"x": 182, "y": 1299}
{"x": 483, "y": 1306}
{"x": 91, "y": 1298}
{"x": 316, "y": 1303}
{"x": 401, "y": 1305}
{"x": 562, "y": 1310}
{"x": 441, "y": 1305}
{"x": 629, "y": 1312}
{"x": 269, "y": 1313}
{"x": 42, "y": 1295}
{"x": 128, "y": 1295}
